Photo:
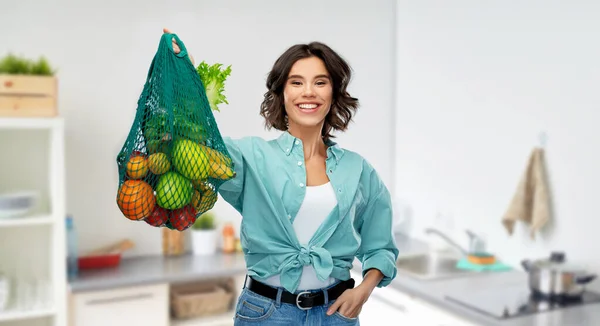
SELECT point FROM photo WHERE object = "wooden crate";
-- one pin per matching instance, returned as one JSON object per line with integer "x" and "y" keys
{"x": 28, "y": 96}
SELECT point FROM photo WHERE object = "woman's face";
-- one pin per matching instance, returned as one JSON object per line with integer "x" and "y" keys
{"x": 307, "y": 93}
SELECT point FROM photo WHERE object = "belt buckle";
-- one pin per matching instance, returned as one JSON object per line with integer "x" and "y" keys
{"x": 298, "y": 300}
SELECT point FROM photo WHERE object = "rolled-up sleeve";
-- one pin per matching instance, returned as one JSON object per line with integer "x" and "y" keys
{"x": 378, "y": 247}
{"x": 232, "y": 189}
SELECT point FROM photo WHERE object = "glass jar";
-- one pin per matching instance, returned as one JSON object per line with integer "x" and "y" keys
{"x": 173, "y": 242}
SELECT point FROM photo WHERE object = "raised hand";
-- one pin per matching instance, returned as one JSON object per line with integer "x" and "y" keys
{"x": 176, "y": 48}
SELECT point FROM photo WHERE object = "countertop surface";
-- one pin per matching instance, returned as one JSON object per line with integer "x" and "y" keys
{"x": 437, "y": 293}
{"x": 159, "y": 269}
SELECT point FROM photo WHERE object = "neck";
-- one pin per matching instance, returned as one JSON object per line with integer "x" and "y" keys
{"x": 312, "y": 142}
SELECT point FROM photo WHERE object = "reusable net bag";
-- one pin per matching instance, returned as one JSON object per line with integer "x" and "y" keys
{"x": 174, "y": 159}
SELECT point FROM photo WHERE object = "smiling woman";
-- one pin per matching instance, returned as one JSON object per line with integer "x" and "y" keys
{"x": 308, "y": 206}
{"x": 308, "y": 75}
{"x": 307, "y": 99}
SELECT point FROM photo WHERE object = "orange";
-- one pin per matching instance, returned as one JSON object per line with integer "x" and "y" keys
{"x": 136, "y": 199}
{"x": 137, "y": 167}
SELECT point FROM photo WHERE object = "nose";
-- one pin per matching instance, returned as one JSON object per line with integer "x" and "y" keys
{"x": 308, "y": 90}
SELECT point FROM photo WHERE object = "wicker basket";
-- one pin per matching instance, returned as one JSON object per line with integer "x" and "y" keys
{"x": 201, "y": 299}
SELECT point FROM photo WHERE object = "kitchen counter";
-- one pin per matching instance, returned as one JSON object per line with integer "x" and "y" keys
{"x": 159, "y": 269}
{"x": 435, "y": 292}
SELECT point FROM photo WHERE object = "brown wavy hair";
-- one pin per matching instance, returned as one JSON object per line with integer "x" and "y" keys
{"x": 343, "y": 106}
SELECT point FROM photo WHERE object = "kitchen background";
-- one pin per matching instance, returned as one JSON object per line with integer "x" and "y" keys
{"x": 103, "y": 51}
{"x": 454, "y": 94}
{"x": 476, "y": 84}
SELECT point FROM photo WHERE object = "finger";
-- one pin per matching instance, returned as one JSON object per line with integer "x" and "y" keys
{"x": 167, "y": 31}
{"x": 354, "y": 312}
{"x": 334, "y": 307}
{"x": 192, "y": 60}
{"x": 176, "y": 48}
{"x": 346, "y": 309}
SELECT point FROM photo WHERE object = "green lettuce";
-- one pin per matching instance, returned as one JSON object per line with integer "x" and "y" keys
{"x": 213, "y": 77}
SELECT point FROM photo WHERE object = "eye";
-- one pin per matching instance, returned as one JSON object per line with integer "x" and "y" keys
{"x": 295, "y": 82}
{"x": 321, "y": 83}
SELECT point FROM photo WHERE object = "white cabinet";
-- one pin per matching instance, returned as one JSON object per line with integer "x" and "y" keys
{"x": 432, "y": 316}
{"x": 32, "y": 253}
{"x": 389, "y": 304}
{"x": 379, "y": 308}
{"x": 139, "y": 305}
{"x": 147, "y": 305}
{"x": 384, "y": 304}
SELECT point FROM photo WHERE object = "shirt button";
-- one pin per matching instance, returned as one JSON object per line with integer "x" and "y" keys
{"x": 339, "y": 189}
{"x": 301, "y": 185}
{"x": 289, "y": 216}
{"x": 299, "y": 163}
{"x": 330, "y": 171}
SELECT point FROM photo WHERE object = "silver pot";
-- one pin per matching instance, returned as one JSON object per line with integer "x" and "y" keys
{"x": 554, "y": 278}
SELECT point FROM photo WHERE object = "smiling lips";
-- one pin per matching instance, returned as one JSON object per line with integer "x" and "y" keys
{"x": 308, "y": 107}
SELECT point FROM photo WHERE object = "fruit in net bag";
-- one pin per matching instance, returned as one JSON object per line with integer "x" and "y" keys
{"x": 174, "y": 159}
{"x": 136, "y": 199}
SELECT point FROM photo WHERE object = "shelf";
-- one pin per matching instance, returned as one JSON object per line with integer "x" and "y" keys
{"x": 34, "y": 244}
{"x": 30, "y": 123}
{"x": 26, "y": 221}
{"x": 217, "y": 320}
{"x": 22, "y": 315}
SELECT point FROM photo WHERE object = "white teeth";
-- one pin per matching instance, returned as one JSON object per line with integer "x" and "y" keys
{"x": 307, "y": 106}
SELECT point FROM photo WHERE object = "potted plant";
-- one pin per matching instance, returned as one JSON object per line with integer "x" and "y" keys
{"x": 28, "y": 88}
{"x": 204, "y": 235}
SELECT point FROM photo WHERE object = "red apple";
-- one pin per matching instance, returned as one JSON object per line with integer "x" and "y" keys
{"x": 183, "y": 218}
{"x": 158, "y": 217}
{"x": 137, "y": 153}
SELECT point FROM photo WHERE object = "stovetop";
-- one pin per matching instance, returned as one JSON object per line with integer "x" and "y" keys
{"x": 516, "y": 300}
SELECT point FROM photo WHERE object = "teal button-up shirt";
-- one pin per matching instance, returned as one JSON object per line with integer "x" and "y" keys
{"x": 268, "y": 190}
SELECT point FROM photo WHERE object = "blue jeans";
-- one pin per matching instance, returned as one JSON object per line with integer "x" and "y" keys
{"x": 254, "y": 309}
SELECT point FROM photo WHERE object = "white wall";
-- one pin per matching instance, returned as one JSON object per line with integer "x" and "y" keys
{"x": 477, "y": 82}
{"x": 103, "y": 50}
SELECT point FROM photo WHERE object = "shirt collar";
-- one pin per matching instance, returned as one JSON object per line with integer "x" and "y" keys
{"x": 287, "y": 142}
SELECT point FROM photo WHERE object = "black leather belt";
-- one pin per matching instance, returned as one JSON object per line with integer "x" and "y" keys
{"x": 303, "y": 300}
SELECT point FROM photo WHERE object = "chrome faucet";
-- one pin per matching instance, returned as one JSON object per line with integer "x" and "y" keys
{"x": 447, "y": 239}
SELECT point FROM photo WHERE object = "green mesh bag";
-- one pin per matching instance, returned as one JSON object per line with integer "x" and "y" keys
{"x": 174, "y": 158}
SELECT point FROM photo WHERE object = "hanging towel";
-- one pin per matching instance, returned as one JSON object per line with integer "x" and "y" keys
{"x": 531, "y": 202}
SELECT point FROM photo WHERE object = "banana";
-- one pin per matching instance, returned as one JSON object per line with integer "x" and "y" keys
{"x": 220, "y": 164}
{"x": 220, "y": 171}
{"x": 216, "y": 156}
{"x": 205, "y": 198}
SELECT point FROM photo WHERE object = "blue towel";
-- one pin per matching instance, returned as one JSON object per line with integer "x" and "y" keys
{"x": 496, "y": 267}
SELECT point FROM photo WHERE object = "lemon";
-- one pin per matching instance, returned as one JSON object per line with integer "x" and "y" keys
{"x": 190, "y": 160}
{"x": 159, "y": 163}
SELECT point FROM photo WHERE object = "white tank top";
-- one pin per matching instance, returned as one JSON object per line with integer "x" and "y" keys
{"x": 318, "y": 203}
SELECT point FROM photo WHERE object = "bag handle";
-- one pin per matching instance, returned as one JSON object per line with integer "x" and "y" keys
{"x": 168, "y": 38}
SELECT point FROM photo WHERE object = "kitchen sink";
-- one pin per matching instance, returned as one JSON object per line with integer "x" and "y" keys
{"x": 431, "y": 265}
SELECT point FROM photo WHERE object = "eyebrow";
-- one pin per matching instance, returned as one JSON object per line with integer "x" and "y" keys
{"x": 298, "y": 76}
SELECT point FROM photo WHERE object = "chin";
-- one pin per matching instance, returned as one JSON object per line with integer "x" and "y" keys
{"x": 306, "y": 122}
